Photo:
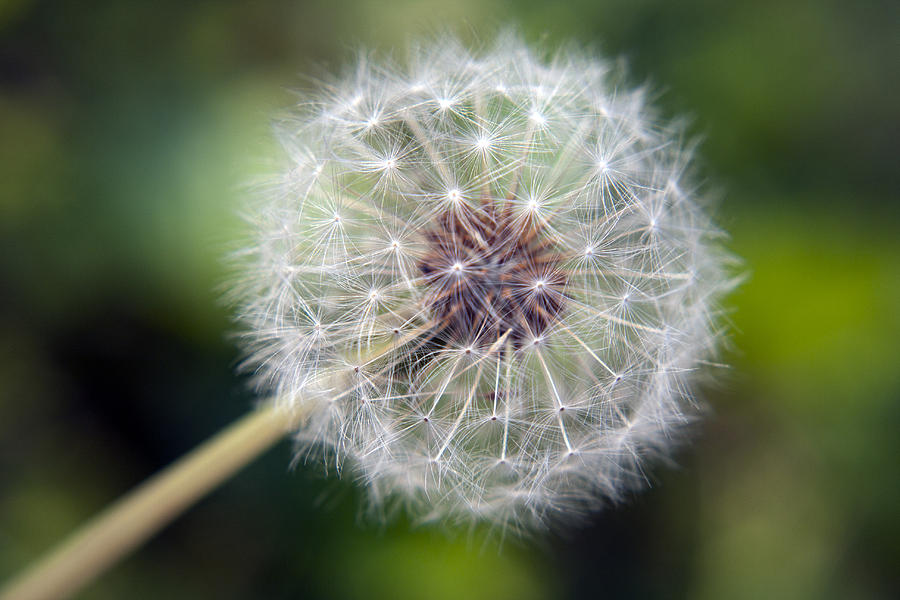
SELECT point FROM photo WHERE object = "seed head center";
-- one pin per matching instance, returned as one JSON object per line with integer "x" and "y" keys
{"x": 488, "y": 272}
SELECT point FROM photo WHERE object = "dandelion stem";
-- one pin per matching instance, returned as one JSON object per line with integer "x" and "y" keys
{"x": 112, "y": 534}
{"x": 141, "y": 513}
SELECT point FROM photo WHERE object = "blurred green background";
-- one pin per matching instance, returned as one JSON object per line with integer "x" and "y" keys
{"x": 126, "y": 129}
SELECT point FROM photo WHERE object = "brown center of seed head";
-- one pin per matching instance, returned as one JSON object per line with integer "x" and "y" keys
{"x": 489, "y": 272}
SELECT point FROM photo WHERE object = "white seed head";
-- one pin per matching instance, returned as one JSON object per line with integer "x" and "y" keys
{"x": 488, "y": 279}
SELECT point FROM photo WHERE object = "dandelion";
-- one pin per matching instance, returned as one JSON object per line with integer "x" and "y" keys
{"x": 484, "y": 283}
{"x": 488, "y": 278}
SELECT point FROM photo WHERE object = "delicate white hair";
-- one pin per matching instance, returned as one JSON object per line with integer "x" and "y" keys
{"x": 341, "y": 317}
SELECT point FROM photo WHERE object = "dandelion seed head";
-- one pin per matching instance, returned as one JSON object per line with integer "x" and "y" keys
{"x": 487, "y": 278}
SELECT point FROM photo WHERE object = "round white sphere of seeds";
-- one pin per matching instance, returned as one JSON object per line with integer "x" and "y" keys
{"x": 488, "y": 279}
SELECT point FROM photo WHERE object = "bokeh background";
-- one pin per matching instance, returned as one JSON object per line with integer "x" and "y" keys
{"x": 126, "y": 129}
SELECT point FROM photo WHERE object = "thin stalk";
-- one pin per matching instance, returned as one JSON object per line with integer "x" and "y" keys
{"x": 112, "y": 534}
{"x": 141, "y": 513}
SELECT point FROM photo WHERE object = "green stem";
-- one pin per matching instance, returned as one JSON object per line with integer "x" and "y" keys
{"x": 137, "y": 516}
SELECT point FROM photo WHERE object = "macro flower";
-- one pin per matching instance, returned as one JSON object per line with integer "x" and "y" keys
{"x": 486, "y": 277}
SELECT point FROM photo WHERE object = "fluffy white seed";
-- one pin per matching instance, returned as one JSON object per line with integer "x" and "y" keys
{"x": 520, "y": 422}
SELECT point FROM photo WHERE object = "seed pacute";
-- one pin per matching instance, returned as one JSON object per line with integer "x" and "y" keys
{"x": 489, "y": 273}
{"x": 510, "y": 246}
